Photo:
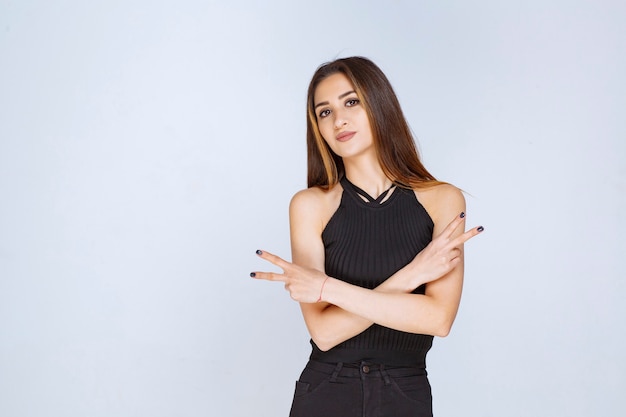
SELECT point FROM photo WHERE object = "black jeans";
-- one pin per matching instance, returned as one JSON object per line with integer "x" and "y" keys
{"x": 361, "y": 390}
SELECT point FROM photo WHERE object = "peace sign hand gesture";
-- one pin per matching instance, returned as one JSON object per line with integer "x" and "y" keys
{"x": 443, "y": 253}
{"x": 305, "y": 285}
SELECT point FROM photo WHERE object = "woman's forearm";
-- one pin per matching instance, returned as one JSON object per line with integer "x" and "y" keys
{"x": 413, "y": 313}
{"x": 332, "y": 325}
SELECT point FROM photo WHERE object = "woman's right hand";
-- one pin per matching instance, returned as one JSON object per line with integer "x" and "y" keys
{"x": 441, "y": 255}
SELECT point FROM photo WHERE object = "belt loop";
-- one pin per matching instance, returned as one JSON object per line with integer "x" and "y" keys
{"x": 335, "y": 374}
{"x": 385, "y": 375}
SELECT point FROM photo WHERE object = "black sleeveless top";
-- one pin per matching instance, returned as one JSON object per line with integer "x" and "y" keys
{"x": 365, "y": 243}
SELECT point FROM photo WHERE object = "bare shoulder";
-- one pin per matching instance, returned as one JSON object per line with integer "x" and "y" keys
{"x": 315, "y": 204}
{"x": 315, "y": 198}
{"x": 442, "y": 201}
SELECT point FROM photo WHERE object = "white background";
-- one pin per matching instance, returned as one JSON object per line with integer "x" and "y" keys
{"x": 147, "y": 148}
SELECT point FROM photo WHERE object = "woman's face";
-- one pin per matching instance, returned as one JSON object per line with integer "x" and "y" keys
{"x": 341, "y": 118}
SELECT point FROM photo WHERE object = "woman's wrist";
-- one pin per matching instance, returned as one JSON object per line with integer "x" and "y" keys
{"x": 403, "y": 281}
{"x": 330, "y": 290}
{"x": 415, "y": 275}
{"x": 321, "y": 296}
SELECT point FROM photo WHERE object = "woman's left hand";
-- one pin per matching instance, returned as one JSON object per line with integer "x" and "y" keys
{"x": 304, "y": 284}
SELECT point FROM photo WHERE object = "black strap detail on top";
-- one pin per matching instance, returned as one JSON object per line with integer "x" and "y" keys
{"x": 345, "y": 182}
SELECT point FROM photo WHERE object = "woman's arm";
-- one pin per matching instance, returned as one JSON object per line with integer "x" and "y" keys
{"x": 327, "y": 324}
{"x": 346, "y": 309}
{"x": 432, "y": 313}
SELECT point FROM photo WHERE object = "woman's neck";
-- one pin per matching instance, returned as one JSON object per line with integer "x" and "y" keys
{"x": 367, "y": 175}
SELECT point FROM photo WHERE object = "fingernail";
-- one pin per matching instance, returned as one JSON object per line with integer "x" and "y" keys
{"x": 480, "y": 228}
{"x": 259, "y": 252}
{"x": 462, "y": 214}
{"x": 253, "y": 274}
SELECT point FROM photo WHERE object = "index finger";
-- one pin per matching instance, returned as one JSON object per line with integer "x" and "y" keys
{"x": 462, "y": 238}
{"x": 274, "y": 259}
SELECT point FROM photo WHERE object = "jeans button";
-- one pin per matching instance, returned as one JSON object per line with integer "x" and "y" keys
{"x": 366, "y": 369}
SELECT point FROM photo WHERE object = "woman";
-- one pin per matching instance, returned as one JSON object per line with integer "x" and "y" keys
{"x": 377, "y": 251}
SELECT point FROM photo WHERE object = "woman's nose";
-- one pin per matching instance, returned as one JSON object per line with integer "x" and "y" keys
{"x": 340, "y": 121}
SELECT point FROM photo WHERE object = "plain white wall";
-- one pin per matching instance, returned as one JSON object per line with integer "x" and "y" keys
{"x": 147, "y": 148}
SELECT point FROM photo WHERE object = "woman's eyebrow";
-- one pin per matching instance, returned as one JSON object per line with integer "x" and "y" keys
{"x": 323, "y": 103}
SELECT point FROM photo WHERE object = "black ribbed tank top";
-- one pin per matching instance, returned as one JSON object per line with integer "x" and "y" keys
{"x": 365, "y": 243}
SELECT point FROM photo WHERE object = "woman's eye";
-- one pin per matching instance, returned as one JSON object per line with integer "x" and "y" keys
{"x": 352, "y": 102}
{"x": 324, "y": 113}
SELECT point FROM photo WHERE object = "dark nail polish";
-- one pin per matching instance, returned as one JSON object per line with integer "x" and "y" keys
{"x": 253, "y": 274}
{"x": 480, "y": 228}
{"x": 259, "y": 252}
{"x": 462, "y": 214}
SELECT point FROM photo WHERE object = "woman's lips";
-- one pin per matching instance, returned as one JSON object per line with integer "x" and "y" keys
{"x": 345, "y": 136}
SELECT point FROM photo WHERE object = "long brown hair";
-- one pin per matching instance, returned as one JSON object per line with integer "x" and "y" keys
{"x": 393, "y": 141}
